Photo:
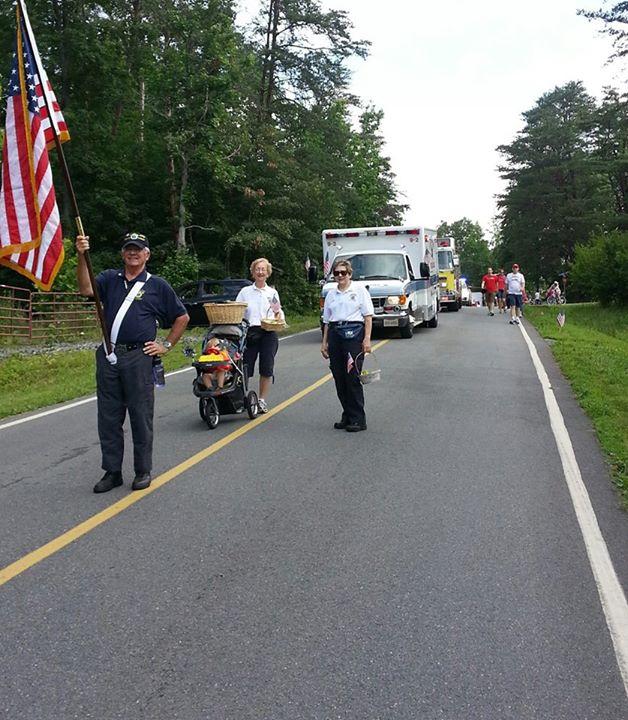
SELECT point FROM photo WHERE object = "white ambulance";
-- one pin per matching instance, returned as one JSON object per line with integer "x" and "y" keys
{"x": 398, "y": 266}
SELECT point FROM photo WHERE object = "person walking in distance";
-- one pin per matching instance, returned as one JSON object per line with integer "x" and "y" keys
{"x": 347, "y": 321}
{"x": 133, "y": 300}
{"x": 501, "y": 291}
{"x": 489, "y": 285}
{"x": 516, "y": 284}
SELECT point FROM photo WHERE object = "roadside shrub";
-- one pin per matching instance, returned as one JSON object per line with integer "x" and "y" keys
{"x": 600, "y": 269}
{"x": 298, "y": 296}
{"x": 179, "y": 267}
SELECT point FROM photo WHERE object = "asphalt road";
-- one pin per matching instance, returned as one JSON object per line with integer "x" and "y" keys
{"x": 429, "y": 568}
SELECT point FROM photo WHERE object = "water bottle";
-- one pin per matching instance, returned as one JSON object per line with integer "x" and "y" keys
{"x": 159, "y": 376}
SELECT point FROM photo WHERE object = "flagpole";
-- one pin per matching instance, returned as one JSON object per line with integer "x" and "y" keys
{"x": 68, "y": 183}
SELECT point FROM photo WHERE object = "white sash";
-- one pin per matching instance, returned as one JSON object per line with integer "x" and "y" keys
{"x": 117, "y": 321}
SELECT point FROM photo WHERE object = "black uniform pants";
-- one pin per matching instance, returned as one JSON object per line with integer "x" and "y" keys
{"x": 348, "y": 386}
{"x": 127, "y": 385}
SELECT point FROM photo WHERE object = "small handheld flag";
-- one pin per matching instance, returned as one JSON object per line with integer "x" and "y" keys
{"x": 350, "y": 362}
{"x": 560, "y": 319}
{"x": 326, "y": 265}
{"x": 275, "y": 305}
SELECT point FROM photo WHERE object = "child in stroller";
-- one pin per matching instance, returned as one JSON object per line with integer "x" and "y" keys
{"x": 221, "y": 382}
{"x": 216, "y": 351}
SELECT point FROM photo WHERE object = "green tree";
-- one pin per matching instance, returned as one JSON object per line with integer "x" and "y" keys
{"x": 611, "y": 150}
{"x": 556, "y": 195}
{"x": 303, "y": 51}
{"x": 600, "y": 269}
{"x": 615, "y": 24}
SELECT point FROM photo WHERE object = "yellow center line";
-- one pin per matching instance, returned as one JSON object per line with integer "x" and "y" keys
{"x": 50, "y": 548}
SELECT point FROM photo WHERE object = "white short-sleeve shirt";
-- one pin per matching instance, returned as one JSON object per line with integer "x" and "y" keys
{"x": 515, "y": 282}
{"x": 260, "y": 303}
{"x": 353, "y": 304}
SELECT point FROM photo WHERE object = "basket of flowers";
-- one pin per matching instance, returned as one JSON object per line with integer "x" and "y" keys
{"x": 370, "y": 371}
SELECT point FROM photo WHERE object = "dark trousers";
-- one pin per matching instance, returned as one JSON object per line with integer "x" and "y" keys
{"x": 265, "y": 344}
{"x": 128, "y": 385}
{"x": 348, "y": 386}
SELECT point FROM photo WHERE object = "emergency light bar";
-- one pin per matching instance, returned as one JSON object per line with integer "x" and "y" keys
{"x": 371, "y": 233}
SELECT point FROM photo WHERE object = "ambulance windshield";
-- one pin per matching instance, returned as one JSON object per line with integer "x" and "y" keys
{"x": 376, "y": 266}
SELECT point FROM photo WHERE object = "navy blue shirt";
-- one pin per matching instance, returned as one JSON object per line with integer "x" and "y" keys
{"x": 156, "y": 302}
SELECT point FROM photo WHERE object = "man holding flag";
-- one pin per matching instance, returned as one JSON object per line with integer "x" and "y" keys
{"x": 134, "y": 300}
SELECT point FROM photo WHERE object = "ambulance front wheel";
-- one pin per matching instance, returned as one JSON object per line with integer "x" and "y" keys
{"x": 407, "y": 330}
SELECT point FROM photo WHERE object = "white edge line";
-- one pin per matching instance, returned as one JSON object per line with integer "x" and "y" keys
{"x": 71, "y": 405}
{"x": 611, "y": 594}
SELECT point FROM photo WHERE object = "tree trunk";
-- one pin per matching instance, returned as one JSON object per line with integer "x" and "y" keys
{"x": 272, "y": 61}
{"x": 265, "y": 61}
{"x": 181, "y": 244}
{"x": 267, "y": 83}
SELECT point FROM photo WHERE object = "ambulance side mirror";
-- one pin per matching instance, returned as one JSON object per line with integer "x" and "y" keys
{"x": 424, "y": 269}
{"x": 312, "y": 274}
{"x": 456, "y": 261}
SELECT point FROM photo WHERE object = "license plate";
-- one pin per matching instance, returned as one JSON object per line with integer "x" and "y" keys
{"x": 391, "y": 322}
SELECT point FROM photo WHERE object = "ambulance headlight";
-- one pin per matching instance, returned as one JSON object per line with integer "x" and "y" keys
{"x": 392, "y": 300}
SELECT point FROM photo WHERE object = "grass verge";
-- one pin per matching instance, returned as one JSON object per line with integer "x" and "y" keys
{"x": 592, "y": 351}
{"x": 29, "y": 382}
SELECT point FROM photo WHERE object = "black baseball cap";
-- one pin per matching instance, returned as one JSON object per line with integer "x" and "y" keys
{"x": 136, "y": 239}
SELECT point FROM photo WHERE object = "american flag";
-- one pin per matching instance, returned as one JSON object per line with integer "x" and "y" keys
{"x": 31, "y": 240}
{"x": 326, "y": 265}
{"x": 275, "y": 305}
{"x": 350, "y": 362}
{"x": 560, "y": 319}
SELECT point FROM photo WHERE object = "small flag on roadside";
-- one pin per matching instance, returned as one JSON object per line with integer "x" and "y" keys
{"x": 560, "y": 319}
{"x": 350, "y": 362}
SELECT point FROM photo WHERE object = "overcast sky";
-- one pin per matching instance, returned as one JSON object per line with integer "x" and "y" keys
{"x": 453, "y": 78}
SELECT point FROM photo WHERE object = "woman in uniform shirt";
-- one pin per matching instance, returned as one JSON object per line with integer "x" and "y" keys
{"x": 347, "y": 318}
{"x": 262, "y": 303}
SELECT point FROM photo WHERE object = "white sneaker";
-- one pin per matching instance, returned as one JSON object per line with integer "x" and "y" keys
{"x": 263, "y": 408}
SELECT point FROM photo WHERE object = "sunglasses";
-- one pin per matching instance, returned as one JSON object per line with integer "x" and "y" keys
{"x": 340, "y": 272}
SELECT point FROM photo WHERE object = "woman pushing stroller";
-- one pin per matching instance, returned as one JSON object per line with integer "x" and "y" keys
{"x": 262, "y": 304}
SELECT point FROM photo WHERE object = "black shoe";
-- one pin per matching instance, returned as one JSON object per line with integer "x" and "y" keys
{"x": 355, "y": 427}
{"x": 108, "y": 481}
{"x": 141, "y": 481}
{"x": 340, "y": 425}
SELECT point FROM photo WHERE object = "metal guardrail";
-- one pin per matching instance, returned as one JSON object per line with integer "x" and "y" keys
{"x": 43, "y": 315}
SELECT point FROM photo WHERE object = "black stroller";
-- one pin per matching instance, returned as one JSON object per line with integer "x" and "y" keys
{"x": 234, "y": 397}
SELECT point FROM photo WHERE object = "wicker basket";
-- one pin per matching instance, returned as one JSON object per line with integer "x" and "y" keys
{"x": 373, "y": 372}
{"x": 227, "y": 313}
{"x": 275, "y": 325}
